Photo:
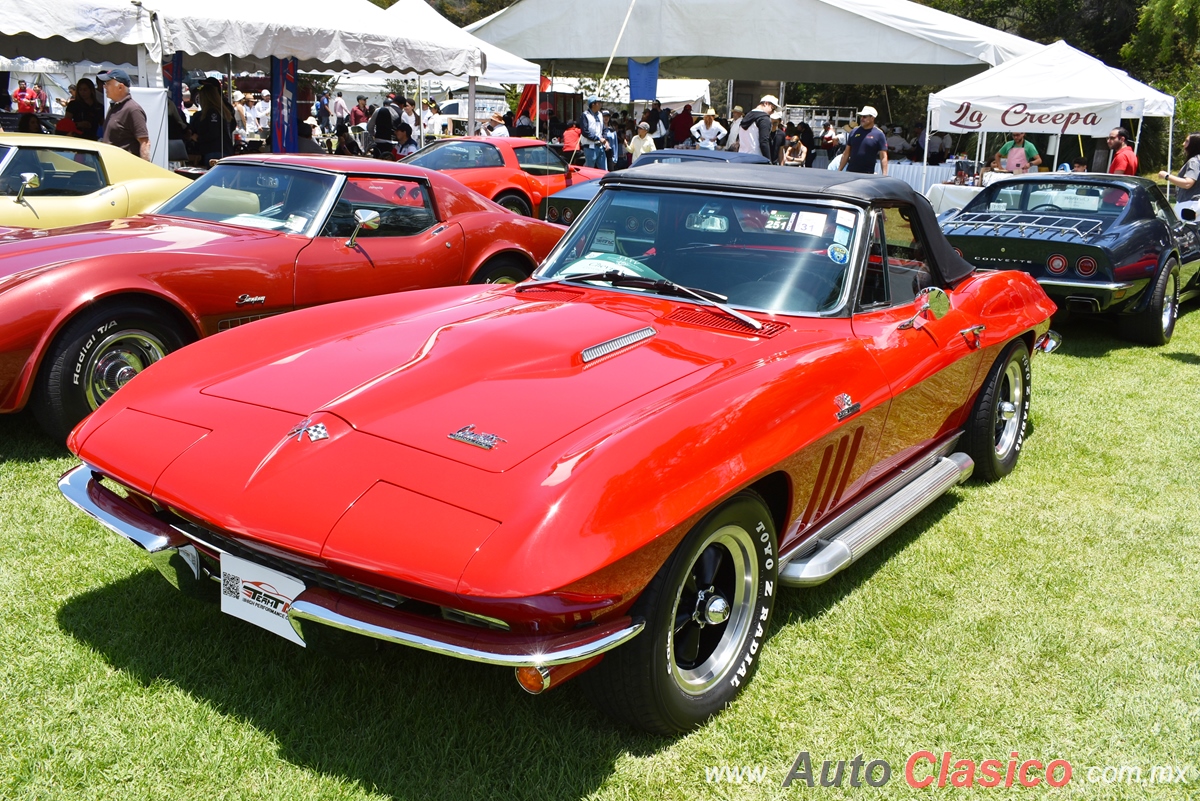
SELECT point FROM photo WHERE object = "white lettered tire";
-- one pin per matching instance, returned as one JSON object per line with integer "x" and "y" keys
{"x": 707, "y": 614}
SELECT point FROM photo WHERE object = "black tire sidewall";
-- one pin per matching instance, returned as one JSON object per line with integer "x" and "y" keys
{"x": 60, "y": 399}
{"x": 500, "y": 267}
{"x": 526, "y": 209}
{"x": 680, "y": 710}
{"x": 982, "y": 436}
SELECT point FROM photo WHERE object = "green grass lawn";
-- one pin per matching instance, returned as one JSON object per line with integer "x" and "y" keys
{"x": 1056, "y": 614}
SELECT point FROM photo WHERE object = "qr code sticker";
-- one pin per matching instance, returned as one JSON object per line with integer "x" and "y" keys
{"x": 231, "y": 585}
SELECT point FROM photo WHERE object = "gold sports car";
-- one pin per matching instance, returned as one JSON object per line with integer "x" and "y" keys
{"x": 51, "y": 181}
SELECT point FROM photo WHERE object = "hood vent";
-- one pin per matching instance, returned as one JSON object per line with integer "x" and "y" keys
{"x": 614, "y": 345}
{"x": 550, "y": 293}
{"x": 710, "y": 319}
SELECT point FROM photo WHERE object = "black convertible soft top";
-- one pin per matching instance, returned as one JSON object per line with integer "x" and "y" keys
{"x": 854, "y": 188}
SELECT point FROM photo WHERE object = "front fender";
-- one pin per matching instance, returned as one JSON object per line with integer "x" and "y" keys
{"x": 34, "y": 312}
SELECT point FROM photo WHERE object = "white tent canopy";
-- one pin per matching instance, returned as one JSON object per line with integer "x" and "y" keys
{"x": 1086, "y": 96}
{"x": 357, "y": 36}
{"x": 839, "y": 41}
{"x": 502, "y": 66}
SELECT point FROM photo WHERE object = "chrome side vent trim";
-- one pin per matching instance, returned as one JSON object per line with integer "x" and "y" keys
{"x": 613, "y": 345}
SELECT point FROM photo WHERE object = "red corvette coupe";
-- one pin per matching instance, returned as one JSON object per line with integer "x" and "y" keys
{"x": 516, "y": 173}
{"x": 724, "y": 380}
{"x": 84, "y": 309}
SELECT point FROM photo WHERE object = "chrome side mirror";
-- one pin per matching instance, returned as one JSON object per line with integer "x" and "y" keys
{"x": 936, "y": 303}
{"x": 932, "y": 303}
{"x": 29, "y": 180}
{"x": 363, "y": 218}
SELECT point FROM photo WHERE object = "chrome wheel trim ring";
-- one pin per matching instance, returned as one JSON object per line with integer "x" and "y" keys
{"x": 1169, "y": 307}
{"x": 739, "y": 547}
{"x": 116, "y": 360}
{"x": 1012, "y": 391}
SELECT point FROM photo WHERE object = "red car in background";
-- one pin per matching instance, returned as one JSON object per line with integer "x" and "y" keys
{"x": 84, "y": 309}
{"x": 519, "y": 174}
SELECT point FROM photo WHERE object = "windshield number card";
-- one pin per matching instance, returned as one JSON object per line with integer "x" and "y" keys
{"x": 778, "y": 220}
{"x": 259, "y": 595}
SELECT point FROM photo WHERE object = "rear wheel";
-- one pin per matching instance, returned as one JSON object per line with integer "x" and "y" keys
{"x": 501, "y": 270}
{"x": 97, "y": 353}
{"x": 515, "y": 203}
{"x": 1156, "y": 323}
{"x": 707, "y": 613}
{"x": 996, "y": 429}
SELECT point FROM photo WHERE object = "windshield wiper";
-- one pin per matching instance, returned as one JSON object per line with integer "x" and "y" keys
{"x": 665, "y": 286}
{"x": 661, "y": 285}
{"x": 609, "y": 275}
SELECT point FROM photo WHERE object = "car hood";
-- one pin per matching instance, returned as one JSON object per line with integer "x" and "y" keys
{"x": 506, "y": 371}
{"x": 23, "y": 249}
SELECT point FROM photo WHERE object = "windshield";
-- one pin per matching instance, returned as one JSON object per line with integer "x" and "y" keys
{"x": 1051, "y": 197}
{"x": 767, "y": 254}
{"x": 457, "y": 154}
{"x": 255, "y": 195}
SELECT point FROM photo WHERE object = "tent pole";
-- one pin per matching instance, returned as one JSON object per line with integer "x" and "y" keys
{"x": 925, "y": 153}
{"x": 616, "y": 44}
{"x": 1170, "y": 150}
{"x": 471, "y": 107}
{"x": 420, "y": 113}
{"x": 537, "y": 108}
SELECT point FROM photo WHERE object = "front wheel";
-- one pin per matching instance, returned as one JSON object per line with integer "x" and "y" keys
{"x": 99, "y": 352}
{"x": 1156, "y": 323}
{"x": 996, "y": 429}
{"x": 707, "y": 613}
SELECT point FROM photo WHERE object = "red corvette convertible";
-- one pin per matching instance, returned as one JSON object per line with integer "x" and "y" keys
{"x": 517, "y": 173}
{"x": 724, "y": 380}
{"x": 84, "y": 309}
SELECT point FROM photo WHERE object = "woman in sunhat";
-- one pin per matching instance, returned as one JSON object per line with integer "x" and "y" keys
{"x": 708, "y": 130}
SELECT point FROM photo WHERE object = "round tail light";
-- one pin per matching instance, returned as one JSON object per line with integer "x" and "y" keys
{"x": 959, "y": 252}
{"x": 1086, "y": 266}
{"x": 568, "y": 214}
{"x": 1057, "y": 264}
{"x": 552, "y": 213}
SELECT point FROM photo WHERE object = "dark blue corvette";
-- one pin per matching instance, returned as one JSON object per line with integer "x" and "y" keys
{"x": 563, "y": 207}
{"x": 1098, "y": 244}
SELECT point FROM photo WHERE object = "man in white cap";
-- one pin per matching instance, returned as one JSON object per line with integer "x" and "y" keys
{"x": 262, "y": 110}
{"x": 864, "y": 145}
{"x": 591, "y": 136}
{"x": 708, "y": 130}
{"x": 896, "y": 143}
{"x": 754, "y": 130}
{"x": 641, "y": 143}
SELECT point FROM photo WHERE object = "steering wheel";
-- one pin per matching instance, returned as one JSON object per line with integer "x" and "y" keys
{"x": 1048, "y": 206}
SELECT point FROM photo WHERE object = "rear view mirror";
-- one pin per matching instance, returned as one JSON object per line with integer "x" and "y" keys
{"x": 936, "y": 303}
{"x": 708, "y": 223}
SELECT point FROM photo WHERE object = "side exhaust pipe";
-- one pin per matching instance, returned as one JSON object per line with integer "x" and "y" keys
{"x": 838, "y": 553}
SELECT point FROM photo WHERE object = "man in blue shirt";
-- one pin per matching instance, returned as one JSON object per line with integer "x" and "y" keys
{"x": 864, "y": 145}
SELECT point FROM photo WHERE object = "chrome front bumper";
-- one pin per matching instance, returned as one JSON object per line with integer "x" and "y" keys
{"x": 163, "y": 543}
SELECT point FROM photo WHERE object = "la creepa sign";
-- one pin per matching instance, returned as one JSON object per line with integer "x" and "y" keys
{"x": 1022, "y": 116}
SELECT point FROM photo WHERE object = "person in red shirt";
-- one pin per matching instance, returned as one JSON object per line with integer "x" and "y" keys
{"x": 26, "y": 99}
{"x": 1124, "y": 161}
{"x": 570, "y": 142}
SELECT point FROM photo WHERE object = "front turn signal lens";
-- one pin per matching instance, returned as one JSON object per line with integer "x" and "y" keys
{"x": 533, "y": 680}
